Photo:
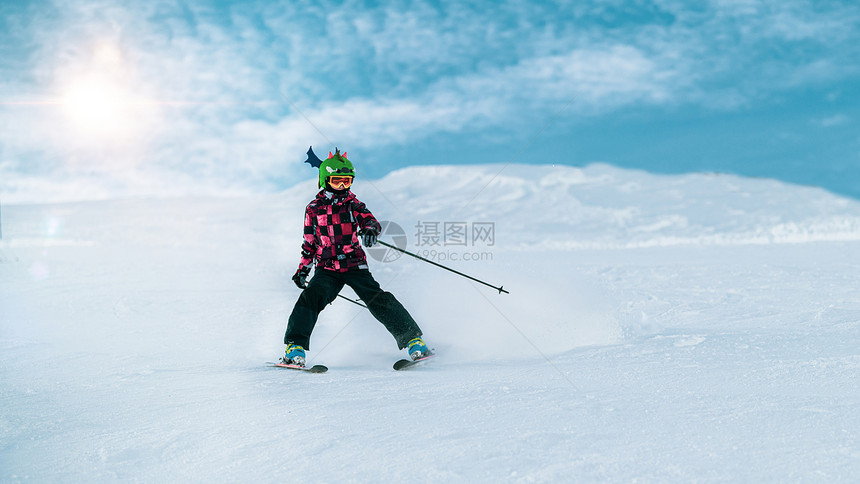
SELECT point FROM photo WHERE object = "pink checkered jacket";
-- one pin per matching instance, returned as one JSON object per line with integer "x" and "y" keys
{"x": 332, "y": 222}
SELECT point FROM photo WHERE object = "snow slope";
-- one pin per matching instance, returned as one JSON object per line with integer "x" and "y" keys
{"x": 659, "y": 329}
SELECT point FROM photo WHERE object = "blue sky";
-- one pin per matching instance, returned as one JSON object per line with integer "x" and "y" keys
{"x": 103, "y": 98}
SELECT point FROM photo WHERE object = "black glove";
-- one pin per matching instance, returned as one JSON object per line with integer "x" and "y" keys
{"x": 368, "y": 236}
{"x": 301, "y": 277}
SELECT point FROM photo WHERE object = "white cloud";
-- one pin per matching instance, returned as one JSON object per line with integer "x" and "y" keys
{"x": 599, "y": 80}
{"x": 603, "y": 77}
{"x": 832, "y": 121}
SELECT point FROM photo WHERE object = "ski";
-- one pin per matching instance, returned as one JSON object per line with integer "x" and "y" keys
{"x": 407, "y": 364}
{"x": 312, "y": 369}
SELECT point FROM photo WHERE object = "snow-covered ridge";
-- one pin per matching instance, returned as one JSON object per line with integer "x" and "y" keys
{"x": 603, "y": 207}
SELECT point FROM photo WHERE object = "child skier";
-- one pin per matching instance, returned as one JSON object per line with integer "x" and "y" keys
{"x": 334, "y": 220}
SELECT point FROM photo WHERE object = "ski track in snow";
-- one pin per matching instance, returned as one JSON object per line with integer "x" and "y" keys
{"x": 659, "y": 329}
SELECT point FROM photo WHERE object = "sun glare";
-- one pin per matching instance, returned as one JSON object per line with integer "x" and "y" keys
{"x": 96, "y": 105}
{"x": 98, "y": 97}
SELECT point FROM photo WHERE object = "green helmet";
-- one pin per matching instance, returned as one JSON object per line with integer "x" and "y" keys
{"x": 335, "y": 164}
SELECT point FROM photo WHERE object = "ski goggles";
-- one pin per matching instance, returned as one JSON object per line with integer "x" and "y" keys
{"x": 340, "y": 182}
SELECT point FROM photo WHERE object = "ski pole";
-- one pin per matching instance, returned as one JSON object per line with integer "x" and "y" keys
{"x": 500, "y": 288}
{"x": 352, "y": 301}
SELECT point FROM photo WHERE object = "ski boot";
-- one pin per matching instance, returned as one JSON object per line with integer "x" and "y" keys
{"x": 418, "y": 349}
{"x": 294, "y": 355}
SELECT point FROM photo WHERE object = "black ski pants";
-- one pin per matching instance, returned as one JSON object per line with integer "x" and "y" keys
{"x": 324, "y": 287}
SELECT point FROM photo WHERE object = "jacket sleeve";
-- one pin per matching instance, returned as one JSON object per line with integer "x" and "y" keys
{"x": 309, "y": 245}
{"x": 363, "y": 216}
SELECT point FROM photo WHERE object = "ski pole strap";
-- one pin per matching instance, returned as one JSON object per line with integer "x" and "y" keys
{"x": 501, "y": 289}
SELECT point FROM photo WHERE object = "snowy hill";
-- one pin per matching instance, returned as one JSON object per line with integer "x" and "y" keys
{"x": 659, "y": 328}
